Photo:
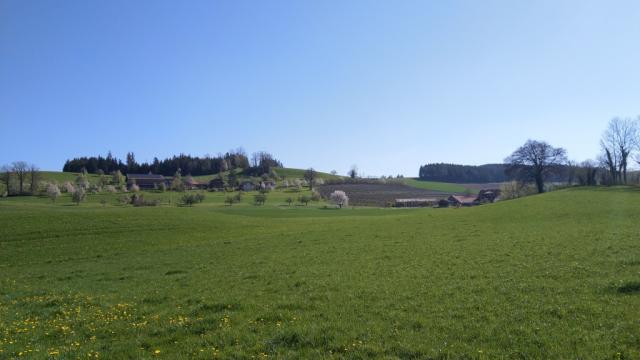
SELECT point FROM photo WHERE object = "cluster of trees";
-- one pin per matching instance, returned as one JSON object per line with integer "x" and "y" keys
{"x": 538, "y": 162}
{"x": 19, "y": 178}
{"x": 261, "y": 163}
{"x": 463, "y": 173}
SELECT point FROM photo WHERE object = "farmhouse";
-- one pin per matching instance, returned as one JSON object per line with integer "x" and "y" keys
{"x": 145, "y": 181}
{"x": 192, "y": 184}
{"x": 416, "y": 202}
{"x": 460, "y": 200}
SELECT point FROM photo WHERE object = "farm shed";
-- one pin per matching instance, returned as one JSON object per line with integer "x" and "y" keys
{"x": 415, "y": 202}
{"x": 460, "y": 200}
{"x": 145, "y": 181}
{"x": 488, "y": 195}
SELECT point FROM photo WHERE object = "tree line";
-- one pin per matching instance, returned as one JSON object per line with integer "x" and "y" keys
{"x": 538, "y": 162}
{"x": 463, "y": 173}
{"x": 260, "y": 163}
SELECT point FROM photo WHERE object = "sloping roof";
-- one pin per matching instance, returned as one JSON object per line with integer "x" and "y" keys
{"x": 145, "y": 177}
{"x": 416, "y": 200}
{"x": 464, "y": 199}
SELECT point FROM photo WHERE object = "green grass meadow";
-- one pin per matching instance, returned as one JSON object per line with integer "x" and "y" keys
{"x": 553, "y": 276}
{"x": 435, "y": 185}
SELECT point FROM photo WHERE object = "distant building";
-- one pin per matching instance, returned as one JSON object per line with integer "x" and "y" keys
{"x": 216, "y": 184}
{"x": 191, "y": 184}
{"x": 462, "y": 200}
{"x": 488, "y": 195}
{"x": 145, "y": 181}
{"x": 416, "y": 202}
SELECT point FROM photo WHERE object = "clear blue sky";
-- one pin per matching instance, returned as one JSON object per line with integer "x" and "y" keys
{"x": 386, "y": 85}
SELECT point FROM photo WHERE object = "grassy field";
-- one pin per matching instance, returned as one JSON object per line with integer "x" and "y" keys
{"x": 550, "y": 276}
{"x": 436, "y": 186}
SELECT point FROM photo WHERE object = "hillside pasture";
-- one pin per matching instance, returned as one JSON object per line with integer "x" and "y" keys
{"x": 548, "y": 276}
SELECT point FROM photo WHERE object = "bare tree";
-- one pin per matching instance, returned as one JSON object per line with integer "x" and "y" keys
{"x": 20, "y": 168}
{"x": 34, "y": 177}
{"x": 535, "y": 160}
{"x": 618, "y": 141}
{"x": 6, "y": 177}
{"x": 310, "y": 176}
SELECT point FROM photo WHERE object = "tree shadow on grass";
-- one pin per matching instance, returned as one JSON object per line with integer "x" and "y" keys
{"x": 631, "y": 287}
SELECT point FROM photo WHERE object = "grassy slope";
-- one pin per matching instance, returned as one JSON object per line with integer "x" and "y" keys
{"x": 282, "y": 172}
{"x": 551, "y": 276}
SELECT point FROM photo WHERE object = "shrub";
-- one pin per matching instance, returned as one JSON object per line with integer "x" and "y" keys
{"x": 124, "y": 199}
{"x": 516, "y": 189}
{"x": 238, "y": 196}
{"x": 117, "y": 178}
{"x": 304, "y": 199}
{"x": 191, "y": 199}
{"x": 229, "y": 200}
{"x": 83, "y": 182}
{"x": 68, "y": 187}
{"x": 339, "y": 198}
{"x": 103, "y": 202}
{"x": 315, "y": 196}
{"x": 135, "y": 188}
{"x": 110, "y": 189}
{"x": 260, "y": 199}
{"x": 188, "y": 199}
{"x": 162, "y": 187}
{"x": 78, "y": 195}
{"x": 138, "y": 200}
{"x": 285, "y": 184}
{"x": 53, "y": 192}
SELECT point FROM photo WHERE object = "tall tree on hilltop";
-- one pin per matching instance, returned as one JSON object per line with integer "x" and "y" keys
{"x": 535, "y": 160}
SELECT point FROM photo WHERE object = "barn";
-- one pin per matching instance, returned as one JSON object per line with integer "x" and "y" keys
{"x": 463, "y": 200}
{"x": 145, "y": 181}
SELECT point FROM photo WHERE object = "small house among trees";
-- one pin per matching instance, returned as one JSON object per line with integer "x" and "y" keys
{"x": 145, "y": 181}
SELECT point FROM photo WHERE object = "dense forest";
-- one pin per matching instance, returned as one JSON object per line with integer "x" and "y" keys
{"x": 463, "y": 173}
{"x": 260, "y": 163}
